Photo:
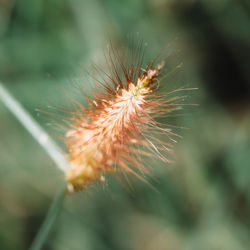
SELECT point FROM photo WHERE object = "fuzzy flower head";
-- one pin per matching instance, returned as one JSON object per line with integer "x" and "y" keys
{"x": 115, "y": 132}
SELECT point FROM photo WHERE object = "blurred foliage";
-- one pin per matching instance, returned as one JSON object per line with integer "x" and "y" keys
{"x": 203, "y": 199}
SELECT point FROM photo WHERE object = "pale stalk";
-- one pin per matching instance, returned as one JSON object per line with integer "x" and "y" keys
{"x": 33, "y": 128}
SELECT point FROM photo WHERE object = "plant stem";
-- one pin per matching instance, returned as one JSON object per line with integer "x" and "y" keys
{"x": 49, "y": 221}
{"x": 34, "y": 128}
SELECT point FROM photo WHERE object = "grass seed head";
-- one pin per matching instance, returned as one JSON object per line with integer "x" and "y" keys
{"x": 115, "y": 131}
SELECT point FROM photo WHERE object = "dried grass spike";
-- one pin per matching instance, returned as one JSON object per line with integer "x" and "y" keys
{"x": 115, "y": 131}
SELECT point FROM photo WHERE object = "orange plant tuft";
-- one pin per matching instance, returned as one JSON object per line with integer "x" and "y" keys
{"x": 115, "y": 130}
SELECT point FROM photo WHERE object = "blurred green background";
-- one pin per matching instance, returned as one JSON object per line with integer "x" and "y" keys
{"x": 202, "y": 201}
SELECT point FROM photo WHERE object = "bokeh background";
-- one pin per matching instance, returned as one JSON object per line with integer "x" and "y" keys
{"x": 200, "y": 202}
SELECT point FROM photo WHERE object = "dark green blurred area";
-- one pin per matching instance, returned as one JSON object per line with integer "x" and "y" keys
{"x": 202, "y": 201}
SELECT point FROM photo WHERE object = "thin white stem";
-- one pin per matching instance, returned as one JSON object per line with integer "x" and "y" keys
{"x": 34, "y": 128}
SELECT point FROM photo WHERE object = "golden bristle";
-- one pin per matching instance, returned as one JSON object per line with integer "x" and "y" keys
{"x": 114, "y": 130}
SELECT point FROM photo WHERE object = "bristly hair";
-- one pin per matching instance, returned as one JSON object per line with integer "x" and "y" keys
{"x": 118, "y": 129}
